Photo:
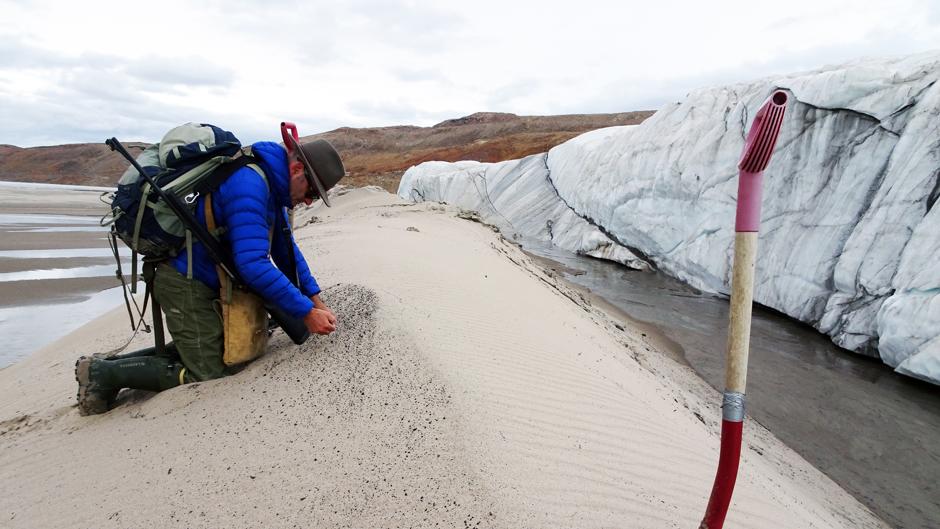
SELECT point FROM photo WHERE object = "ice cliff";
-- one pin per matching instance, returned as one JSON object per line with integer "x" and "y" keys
{"x": 850, "y": 235}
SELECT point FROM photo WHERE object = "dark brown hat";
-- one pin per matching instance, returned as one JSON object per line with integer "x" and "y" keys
{"x": 324, "y": 168}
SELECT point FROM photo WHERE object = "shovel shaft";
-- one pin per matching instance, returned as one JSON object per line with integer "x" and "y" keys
{"x": 739, "y": 335}
{"x": 742, "y": 299}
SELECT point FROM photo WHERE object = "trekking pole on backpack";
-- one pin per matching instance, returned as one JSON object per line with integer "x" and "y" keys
{"x": 295, "y": 328}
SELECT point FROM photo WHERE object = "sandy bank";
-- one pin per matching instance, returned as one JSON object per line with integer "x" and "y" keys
{"x": 51, "y": 199}
{"x": 464, "y": 387}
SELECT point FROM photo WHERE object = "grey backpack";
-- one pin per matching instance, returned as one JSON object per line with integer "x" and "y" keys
{"x": 190, "y": 160}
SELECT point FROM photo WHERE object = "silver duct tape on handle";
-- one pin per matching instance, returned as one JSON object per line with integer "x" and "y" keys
{"x": 732, "y": 406}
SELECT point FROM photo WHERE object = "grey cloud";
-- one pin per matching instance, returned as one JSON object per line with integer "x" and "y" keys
{"x": 393, "y": 24}
{"x": 933, "y": 13}
{"x": 53, "y": 122}
{"x": 419, "y": 74}
{"x": 17, "y": 53}
{"x": 96, "y": 94}
{"x": 629, "y": 94}
{"x": 503, "y": 98}
{"x": 185, "y": 71}
{"x": 311, "y": 32}
{"x": 323, "y": 34}
{"x": 147, "y": 70}
{"x": 393, "y": 112}
{"x": 383, "y": 111}
{"x": 87, "y": 106}
{"x": 404, "y": 19}
{"x": 93, "y": 107}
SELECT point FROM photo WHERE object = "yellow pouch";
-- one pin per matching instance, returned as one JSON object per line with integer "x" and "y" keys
{"x": 244, "y": 318}
{"x": 244, "y": 323}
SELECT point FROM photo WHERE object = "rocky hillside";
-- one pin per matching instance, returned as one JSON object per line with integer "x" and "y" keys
{"x": 376, "y": 156}
{"x": 80, "y": 163}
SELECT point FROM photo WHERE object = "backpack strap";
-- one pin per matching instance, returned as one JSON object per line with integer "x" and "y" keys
{"x": 159, "y": 338}
{"x": 189, "y": 253}
{"x": 288, "y": 231}
{"x": 144, "y": 202}
{"x": 225, "y": 281}
{"x": 112, "y": 241}
{"x": 227, "y": 169}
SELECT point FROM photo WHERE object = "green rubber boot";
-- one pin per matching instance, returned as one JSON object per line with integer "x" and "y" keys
{"x": 93, "y": 397}
{"x": 99, "y": 381}
{"x": 152, "y": 373}
{"x": 169, "y": 352}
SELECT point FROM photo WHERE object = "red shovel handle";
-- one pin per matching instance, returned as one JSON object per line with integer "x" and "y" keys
{"x": 758, "y": 148}
{"x": 289, "y": 130}
{"x": 762, "y": 137}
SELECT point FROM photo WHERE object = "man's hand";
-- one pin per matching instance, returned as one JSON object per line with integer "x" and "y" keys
{"x": 319, "y": 304}
{"x": 320, "y": 321}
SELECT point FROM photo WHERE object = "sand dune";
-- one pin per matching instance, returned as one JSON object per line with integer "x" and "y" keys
{"x": 465, "y": 387}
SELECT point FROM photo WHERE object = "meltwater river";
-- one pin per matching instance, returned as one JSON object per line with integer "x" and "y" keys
{"x": 874, "y": 432}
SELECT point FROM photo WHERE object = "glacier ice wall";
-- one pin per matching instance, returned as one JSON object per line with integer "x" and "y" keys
{"x": 850, "y": 235}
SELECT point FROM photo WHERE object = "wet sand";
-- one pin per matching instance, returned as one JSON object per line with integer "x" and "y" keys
{"x": 653, "y": 334}
{"x": 53, "y": 255}
{"x": 52, "y": 291}
{"x": 47, "y": 241}
{"x": 27, "y": 264}
{"x": 16, "y": 197}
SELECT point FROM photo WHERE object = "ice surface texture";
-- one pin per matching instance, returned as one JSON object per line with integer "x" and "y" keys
{"x": 850, "y": 235}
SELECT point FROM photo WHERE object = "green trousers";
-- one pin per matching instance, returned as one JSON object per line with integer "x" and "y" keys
{"x": 194, "y": 320}
{"x": 193, "y": 317}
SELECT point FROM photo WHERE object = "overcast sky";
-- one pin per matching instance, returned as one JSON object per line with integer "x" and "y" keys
{"x": 82, "y": 71}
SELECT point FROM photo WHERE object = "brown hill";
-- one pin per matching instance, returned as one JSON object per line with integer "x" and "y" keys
{"x": 373, "y": 156}
{"x": 90, "y": 164}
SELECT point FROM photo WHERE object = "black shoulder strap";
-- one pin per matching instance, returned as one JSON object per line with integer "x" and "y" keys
{"x": 291, "y": 271}
{"x": 223, "y": 172}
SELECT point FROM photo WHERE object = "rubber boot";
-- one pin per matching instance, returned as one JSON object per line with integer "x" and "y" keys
{"x": 99, "y": 381}
{"x": 93, "y": 397}
{"x": 151, "y": 373}
{"x": 170, "y": 352}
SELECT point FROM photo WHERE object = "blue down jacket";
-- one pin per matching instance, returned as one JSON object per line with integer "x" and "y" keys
{"x": 245, "y": 207}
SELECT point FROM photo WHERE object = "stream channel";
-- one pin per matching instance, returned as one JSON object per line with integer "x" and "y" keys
{"x": 874, "y": 432}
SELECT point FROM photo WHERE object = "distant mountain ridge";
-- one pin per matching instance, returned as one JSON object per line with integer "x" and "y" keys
{"x": 373, "y": 156}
